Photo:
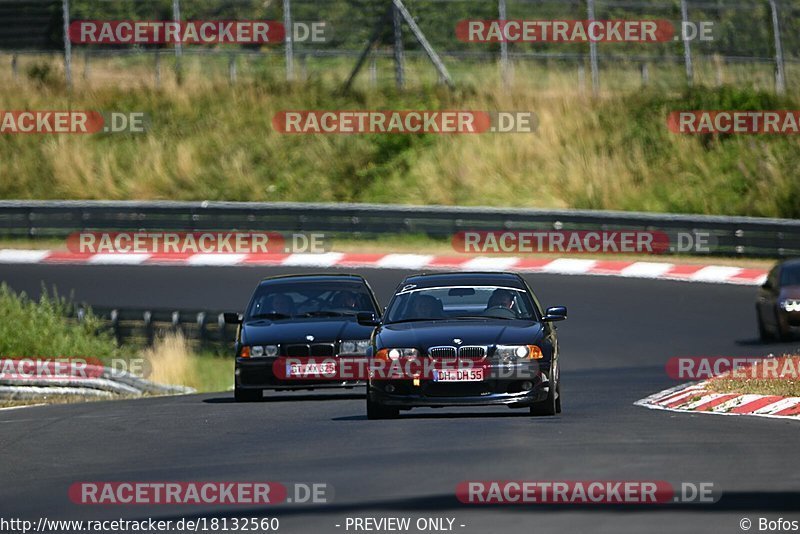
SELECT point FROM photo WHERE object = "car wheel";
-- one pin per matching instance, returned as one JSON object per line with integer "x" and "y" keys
{"x": 247, "y": 395}
{"x": 783, "y": 335}
{"x": 549, "y": 406}
{"x": 376, "y": 410}
{"x": 558, "y": 397}
{"x": 763, "y": 333}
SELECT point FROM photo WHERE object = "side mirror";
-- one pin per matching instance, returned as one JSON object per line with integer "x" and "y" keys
{"x": 232, "y": 318}
{"x": 556, "y": 313}
{"x": 367, "y": 319}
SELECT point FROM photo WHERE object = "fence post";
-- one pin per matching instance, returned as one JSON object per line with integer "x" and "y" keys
{"x": 501, "y": 12}
{"x": 67, "y": 44}
{"x": 593, "y": 52}
{"x": 176, "y": 16}
{"x": 85, "y": 65}
{"x": 399, "y": 60}
{"x": 14, "y": 67}
{"x": 304, "y": 67}
{"x": 581, "y": 78}
{"x": 645, "y": 75}
{"x": 287, "y": 40}
{"x": 232, "y": 68}
{"x": 158, "y": 68}
{"x": 780, "y": 72}
{"x": 687, "y": 48}
{"x": 373, "y": 69}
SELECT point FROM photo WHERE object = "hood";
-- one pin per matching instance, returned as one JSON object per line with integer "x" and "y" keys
{"x": 324, "y": 330}
{"x": 426, "y": 334}
{"x": 790, "y": 292}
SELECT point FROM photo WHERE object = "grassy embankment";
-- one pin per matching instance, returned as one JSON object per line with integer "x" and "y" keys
{"x": 211, "y": 141}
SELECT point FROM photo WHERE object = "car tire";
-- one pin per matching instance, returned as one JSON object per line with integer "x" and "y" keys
{"x": 247, "y": 395}
{"x": 549, "y": 406}
{"x": 763, "y": 333}
{"x": 784, "y": 335}
{"x": 376, "y": 410}
{"x": 780, "y": 333}
{"x": 558, "y": 397}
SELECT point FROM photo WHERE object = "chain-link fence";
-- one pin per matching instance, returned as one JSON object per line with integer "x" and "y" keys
{"x": 753, "y": 42}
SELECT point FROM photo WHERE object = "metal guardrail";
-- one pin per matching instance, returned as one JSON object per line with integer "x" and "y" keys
{"x": 140, "y": 326}
{"x": 93, "y": 381}
{"x": 728, "y": 236}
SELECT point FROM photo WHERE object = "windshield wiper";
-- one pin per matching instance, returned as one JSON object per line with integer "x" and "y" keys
{"x": 270, "y": 315}
{"x": 324, "y": 313}
{"x": 482, "y": 317}
{"x": 415, "y": 320}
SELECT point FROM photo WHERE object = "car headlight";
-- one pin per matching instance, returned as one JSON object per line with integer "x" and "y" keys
{"x": 397, "y": 353}
{"x": 518, "y": 352}
{"x": 790, "y": 305}
{"x": 356, "y": 347}
{"x": 259, "y": 351}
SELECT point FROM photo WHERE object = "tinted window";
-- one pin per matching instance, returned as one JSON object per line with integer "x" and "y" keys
{"x": 460, "y": 301}
{"x": 309, "y": 299}
{"x": 790, "y": 275}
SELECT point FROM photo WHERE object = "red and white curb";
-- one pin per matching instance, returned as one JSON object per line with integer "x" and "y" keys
{"x": 695, "y": 398}
{"x": 626, "y": 269}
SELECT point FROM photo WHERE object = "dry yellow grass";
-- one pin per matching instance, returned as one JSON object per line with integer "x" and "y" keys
{"x": 170, "y": 361}
{"x": 779, "y": 376}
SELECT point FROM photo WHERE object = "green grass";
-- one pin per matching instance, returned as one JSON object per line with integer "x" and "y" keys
{"x": 212, "y": 372}
{"x": 39, "y": 328}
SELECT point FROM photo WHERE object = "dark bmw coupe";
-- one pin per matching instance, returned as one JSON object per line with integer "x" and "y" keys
{"x": 778, "y": 302}
{"x": 301, "y": 318}
{"x": 469, "y": 339}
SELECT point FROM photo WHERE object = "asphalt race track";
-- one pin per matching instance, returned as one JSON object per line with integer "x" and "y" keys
{"x": 619, "y": 335}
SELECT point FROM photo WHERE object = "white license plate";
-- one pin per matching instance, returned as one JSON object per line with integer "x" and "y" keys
{"x": 458, "y": 375}
{"x": 310, "y": 369}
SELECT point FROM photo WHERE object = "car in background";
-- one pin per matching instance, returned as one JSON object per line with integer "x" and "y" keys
{"x": 778, "y": 302}
{"x": 300, "y": 316}
{"x": 486, "y": 337}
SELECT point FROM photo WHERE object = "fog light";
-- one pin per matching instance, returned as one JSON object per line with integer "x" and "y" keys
{"x": 526, "y": 386}
{"x": 389, "y": 388}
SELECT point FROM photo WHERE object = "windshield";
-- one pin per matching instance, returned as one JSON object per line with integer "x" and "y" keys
{"x": 309, "y": 299}
{"x": 790, "y": 276}
{"x": 452, "y": 302}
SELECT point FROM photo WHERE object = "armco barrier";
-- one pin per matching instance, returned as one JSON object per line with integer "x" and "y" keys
{"x": 143, "y": 326}
{"x": 729, "y": 236}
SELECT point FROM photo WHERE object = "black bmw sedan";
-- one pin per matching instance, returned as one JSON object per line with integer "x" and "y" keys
{"x": 778, "y": 302}
{"x": 469, "y": 339}
{"x": 300, "y": 317}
